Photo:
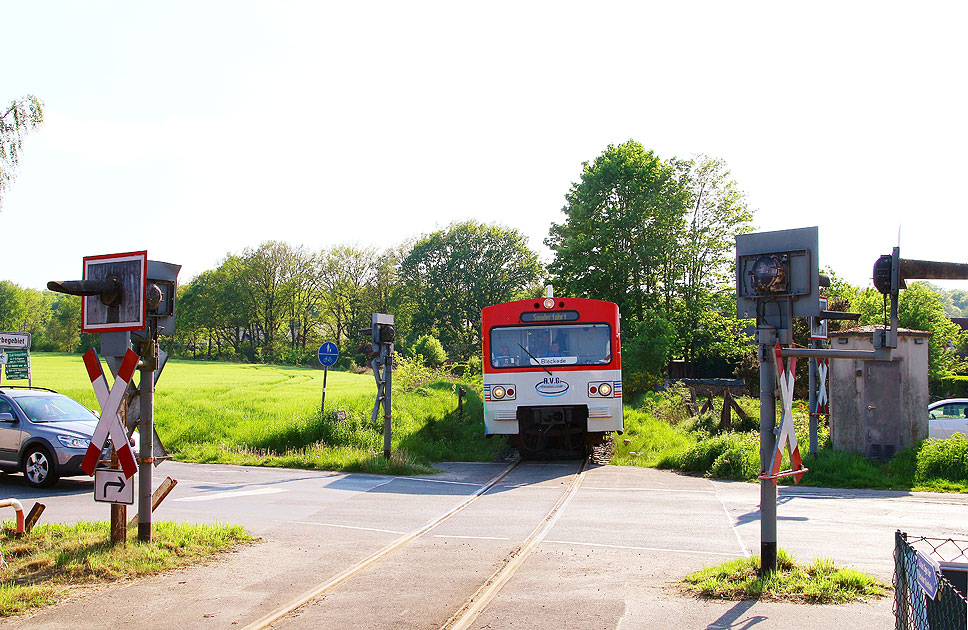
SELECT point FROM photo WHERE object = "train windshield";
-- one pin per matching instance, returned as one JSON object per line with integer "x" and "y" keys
{"x": 559, "y": 344}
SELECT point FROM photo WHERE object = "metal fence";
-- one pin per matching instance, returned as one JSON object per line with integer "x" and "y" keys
{"x": 914, "y": 609}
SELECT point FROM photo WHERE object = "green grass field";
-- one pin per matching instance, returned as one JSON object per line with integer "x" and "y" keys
{"x": 270, "y": 415}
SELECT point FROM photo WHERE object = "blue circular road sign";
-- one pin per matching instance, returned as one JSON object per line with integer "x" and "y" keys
{"x": 328, "y": 354}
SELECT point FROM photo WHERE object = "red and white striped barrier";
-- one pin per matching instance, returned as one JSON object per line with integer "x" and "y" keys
{"x": 786, "y": 436}
{"x": 823, "y": 403}
{"x": 15, "y": 504}
{"x": 110, "y": 425}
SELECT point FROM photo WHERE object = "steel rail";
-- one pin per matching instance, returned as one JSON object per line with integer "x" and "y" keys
{"x": 281, "y": 612}
{"x": 464, "y": 617}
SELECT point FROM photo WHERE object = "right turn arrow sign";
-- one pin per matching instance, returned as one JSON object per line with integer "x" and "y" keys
{"x": 110, "y": 486}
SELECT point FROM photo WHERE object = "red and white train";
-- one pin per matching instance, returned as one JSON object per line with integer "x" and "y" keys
{"x": 552, "y": 373}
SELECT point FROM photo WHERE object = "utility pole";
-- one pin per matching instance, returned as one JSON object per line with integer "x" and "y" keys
{"x": 766, "y": 337}
{"x": 146, "y": 429}
{"x": 382, "y": 333}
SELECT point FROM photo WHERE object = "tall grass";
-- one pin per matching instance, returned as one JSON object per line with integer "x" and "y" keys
{"x": 651, "y": 440}
{"x": 270, "y": 415}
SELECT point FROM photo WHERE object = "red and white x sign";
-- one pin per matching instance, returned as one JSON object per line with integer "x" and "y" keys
{"x": 786, "y": 436}
{"x": 110, "y": 425}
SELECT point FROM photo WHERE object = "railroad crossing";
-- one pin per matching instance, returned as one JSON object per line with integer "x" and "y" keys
{"x": 608, "y": 561}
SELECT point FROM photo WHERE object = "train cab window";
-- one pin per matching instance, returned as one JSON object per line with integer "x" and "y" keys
{"x": 560, "y": 344}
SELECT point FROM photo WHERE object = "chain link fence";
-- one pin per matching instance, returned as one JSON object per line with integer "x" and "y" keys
{"x": 914, "y": 609}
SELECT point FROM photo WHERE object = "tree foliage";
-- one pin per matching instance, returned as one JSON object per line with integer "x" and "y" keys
{"x": 919, "y": 308}
{"x": 431, "y": 350}
{"x": 656, "y": 238}
{"x": 20, "y": 117}
{"x": 620, "y": 235}
{"x": 454, "y": 273}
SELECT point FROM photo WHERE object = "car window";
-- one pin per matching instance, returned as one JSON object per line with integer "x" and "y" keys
{"x": 6, "y": 407}
{"x": 53, "y": 408}
{"x": 951, "y": 410}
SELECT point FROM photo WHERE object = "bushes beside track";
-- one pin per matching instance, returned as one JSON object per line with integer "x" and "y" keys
{"x": 661, "y": 433}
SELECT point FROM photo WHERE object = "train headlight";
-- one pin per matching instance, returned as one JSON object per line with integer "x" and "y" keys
{"x": 600, "y": 389}
{"x": 497, "y": 393}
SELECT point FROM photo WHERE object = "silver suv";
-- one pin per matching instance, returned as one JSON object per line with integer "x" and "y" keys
{"x": 43, "y": 434}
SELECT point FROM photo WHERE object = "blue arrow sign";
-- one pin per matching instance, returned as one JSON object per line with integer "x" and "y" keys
{"x": 328, "y": 354}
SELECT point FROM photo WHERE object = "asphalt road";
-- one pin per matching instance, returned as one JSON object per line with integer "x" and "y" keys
{"x": 609, "y": 561}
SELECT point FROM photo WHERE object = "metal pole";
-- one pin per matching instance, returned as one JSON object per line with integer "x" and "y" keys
{"x": 767, "y": 445}
{"x": 812, "y": 405}
{"x": 322, "y": 405}
{"x": 387, "y": 394}
{"x": 146, "y": 429}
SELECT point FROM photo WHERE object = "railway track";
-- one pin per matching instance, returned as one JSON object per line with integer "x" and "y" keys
{"x": 474, "y": 605}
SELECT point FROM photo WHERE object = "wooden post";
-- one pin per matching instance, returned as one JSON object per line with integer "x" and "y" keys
{"x": 726, "y": 416}
{"x": 119, "y": 511}
{"x": 33, "y": 516}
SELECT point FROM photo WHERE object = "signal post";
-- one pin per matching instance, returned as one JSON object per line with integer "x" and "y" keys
{"x": 130, "y": 301}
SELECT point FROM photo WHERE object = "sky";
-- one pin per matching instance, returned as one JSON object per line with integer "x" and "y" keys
{"x": 197, "y": 129}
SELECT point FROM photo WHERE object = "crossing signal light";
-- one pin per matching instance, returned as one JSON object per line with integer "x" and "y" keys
{"x": 883, "y": 273}
{"x": 769, "y": 274}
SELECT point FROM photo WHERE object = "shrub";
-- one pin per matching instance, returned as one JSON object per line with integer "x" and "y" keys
{"x": 432, "y": 351}
{"x": 474, "y": 366}
{"x": 345, "y": 363}
{"x": 943, "y": 459}
{"x": 669, "y": 405}
{"x": 702, "y": 456}
{"x": 705, "y": 424}
{"x": 740, "y": 460}
{"x": 409, "y": 374}
{"x": 955, "y": 386}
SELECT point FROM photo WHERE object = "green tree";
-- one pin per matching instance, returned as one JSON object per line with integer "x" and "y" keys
{"x": 718, "y": 211}
{"x": 20, "y": 117}
{"x": 959, "y": 299}
{"x": 919, "y": 308}
{"x": 13, "y": 307}
{"x": 64, "y": 331}
{"x": 348, "y": 276}
{"x": 262, "y": 274}
{"x": 453, "y": 273}
{"x": 705, "y": 322}
{"x": 621, "y": 235}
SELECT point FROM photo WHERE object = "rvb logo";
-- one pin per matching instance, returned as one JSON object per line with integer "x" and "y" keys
{"x": 552, "y": 386}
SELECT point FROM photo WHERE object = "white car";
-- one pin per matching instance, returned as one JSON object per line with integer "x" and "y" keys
{"x": 947, "y": 417}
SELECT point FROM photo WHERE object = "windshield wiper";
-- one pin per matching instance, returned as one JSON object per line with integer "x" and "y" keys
{"x": 536, "y": 360}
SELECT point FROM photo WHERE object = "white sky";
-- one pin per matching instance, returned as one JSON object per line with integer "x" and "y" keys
{"x": 192, "y": 129}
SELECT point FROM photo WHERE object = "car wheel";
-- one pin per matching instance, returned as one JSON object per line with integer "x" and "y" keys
{"x": 39, "y": 468}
